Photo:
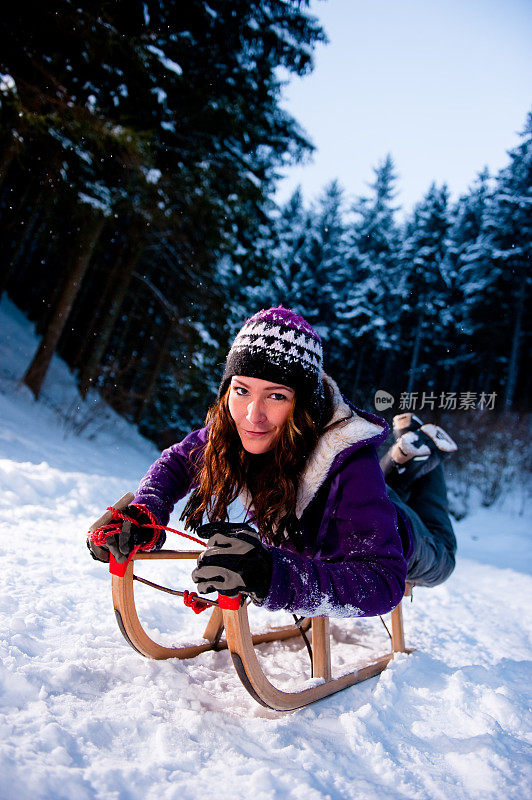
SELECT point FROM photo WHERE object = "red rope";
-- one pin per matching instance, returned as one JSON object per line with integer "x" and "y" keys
{"x": 191, "y": 600}
{"x": 100, "y": 535}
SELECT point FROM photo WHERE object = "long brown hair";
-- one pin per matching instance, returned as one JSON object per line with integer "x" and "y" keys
{"x": 271, "y": 478}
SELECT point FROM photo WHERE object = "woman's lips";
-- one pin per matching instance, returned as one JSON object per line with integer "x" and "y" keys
{"x": 256, "y": 433}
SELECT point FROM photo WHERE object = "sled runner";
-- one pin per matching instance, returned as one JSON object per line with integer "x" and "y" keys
{"x": 232, "y": 617}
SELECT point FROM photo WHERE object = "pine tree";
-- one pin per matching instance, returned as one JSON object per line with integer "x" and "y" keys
{"x": 499, "y": 276}
{"x": 168, "y": 114}
{"x": 465, "y": 257}
{"x": 365, "y": 313}
{"x": 423, "y": 286}
{"x": 291, "y": 232}
{"x": 326, "y": 260}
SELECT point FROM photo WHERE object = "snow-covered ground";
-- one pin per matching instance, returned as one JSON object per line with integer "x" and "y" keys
{"x": 84, "y": 716}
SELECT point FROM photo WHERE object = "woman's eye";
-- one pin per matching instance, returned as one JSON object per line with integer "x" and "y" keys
{"x": 240, "y": 391}
{"x": 277, "y": 396}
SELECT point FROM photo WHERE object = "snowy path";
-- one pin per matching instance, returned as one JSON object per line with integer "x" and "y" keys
{"x": 84, "y": 716}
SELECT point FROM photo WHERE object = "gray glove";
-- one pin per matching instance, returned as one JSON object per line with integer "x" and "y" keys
{"x": 127, "y": 536}
{"x": 235, "y": 561}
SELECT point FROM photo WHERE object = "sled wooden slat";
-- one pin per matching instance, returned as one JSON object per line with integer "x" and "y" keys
{"x": 259, "y": 687}
{"x": 135, "y": 635}
{"x": 257, "y": 684}
{"x": 321, "y": 648}
{"x": 132, "y": 630}
{"x": 215, "y": 625}
{"x": 161, "y": 555}
{"x": 398, "y": 635}
{"x": 106, "y": 517}
{"x": 240, "y": 641}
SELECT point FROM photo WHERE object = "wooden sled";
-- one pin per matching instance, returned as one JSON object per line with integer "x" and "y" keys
{"x": 241, "y": 642}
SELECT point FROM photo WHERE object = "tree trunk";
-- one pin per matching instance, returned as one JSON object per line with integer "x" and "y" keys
{"x": 33, "y": 202}
{"x": 513, "y": 366}
{"x": 29, "y": 235}
{"x": 415, "y": 356}
{"x": 100, "y": 305}
{"x": 385, "y": 370}
{"x": 358, "y": 372}
{"x": 14, "y": 128}
{"x": 7, "y": 156}
{"x": 89, "y": 369}
{"x": 154, "y": 373}
{"x": 88, "y": 236}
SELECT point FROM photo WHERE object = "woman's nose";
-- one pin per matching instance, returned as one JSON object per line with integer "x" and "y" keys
{"x": 256, "y": 412}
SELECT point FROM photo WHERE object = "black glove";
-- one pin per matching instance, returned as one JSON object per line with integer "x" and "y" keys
{"x": 126, "y": 536}
{"x": 235, "y": 561}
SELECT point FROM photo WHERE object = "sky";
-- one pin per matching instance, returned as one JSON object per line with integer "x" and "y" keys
{"x": 444, "y": 87}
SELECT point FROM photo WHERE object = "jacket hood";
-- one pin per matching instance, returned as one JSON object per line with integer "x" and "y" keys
{"x": 348, "y": 430}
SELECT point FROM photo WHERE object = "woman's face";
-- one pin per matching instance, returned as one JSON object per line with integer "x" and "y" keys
{"x": 259, "y": 410}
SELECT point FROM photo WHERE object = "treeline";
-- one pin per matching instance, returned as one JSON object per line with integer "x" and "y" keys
{"x": 436, "y": 304}
{"x": 140, "y": 145}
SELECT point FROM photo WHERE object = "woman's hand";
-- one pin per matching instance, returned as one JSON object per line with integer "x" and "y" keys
{"x": 123, "y": 535}
{"x": 235, "y": 561}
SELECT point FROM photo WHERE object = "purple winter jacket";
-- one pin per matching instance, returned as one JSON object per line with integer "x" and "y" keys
{"x": 350, "y": 558}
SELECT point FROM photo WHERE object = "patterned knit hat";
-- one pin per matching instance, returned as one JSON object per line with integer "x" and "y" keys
{"x": 278, "y": 345}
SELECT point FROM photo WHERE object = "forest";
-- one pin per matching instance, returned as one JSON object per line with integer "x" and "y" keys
{"x": 141, "y": 144}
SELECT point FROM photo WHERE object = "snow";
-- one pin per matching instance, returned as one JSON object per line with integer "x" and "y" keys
{"x": 84, "y": 716}
{"x": 7, "y": 84}
{"x": 170, "y": 65}
{"x": 153, "y": 175}
{"x": 99, "y": 203}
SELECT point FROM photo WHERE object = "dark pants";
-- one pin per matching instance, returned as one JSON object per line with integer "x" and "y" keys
{"x": 425, "y": 505}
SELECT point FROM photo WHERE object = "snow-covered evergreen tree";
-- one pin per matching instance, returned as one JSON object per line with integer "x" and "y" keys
{"x": 365, "y": 312}
{"x": 465, "y": 258}
{"x": 499, "y": 278}
{"x": 423, "y": 285}
{"x": 326, "y": 267}
{"x": 290, "y": 235}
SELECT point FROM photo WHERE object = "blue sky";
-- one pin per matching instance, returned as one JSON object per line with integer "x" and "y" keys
{"x": 444, "y": 87}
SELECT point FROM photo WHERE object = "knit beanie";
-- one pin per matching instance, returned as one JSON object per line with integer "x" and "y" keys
{"x": 278, "y": 345}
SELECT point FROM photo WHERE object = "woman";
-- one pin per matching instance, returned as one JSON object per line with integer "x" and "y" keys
{"x": 322, "y": 534}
